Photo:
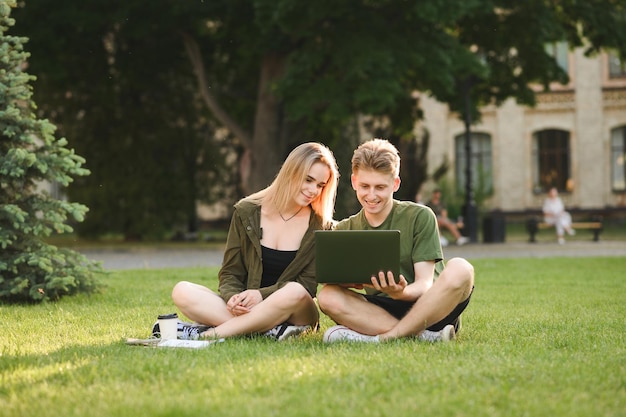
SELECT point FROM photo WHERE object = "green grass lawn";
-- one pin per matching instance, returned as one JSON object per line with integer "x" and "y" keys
{"x": 541, "y": 337}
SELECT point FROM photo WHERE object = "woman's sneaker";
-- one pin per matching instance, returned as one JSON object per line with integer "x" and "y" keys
{"x": 285, "y": 331}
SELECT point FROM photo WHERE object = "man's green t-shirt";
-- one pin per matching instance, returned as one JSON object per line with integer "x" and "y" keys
{"x": 419, "y": 234}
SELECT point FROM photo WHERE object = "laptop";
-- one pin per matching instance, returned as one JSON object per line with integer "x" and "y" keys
{"x": 353, "y": 256}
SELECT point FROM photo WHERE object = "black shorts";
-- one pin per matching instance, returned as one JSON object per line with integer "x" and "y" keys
{"x": 399, "y": 308}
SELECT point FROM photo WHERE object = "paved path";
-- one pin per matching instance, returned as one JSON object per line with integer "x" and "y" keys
{"x": 573, "y": 249}
{"x": 145, "y": 258}
{"x": 154, "y": 258}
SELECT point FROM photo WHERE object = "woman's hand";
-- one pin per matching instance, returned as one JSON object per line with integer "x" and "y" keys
{"x": 243, "y": 302}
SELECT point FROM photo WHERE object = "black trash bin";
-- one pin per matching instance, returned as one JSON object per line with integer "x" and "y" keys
{"x": 494, "y": 228}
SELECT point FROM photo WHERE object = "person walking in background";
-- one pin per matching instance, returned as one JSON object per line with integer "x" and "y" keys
{"x": 437, "y": 205}
{"x": 554, "y": 213}
{"x": 267, "y": 279}
{"x": 426, "y": 300}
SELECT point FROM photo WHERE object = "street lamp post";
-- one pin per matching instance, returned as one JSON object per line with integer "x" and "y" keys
{"x": 470, "y": 212}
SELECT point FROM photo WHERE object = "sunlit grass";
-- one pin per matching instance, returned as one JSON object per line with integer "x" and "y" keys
{"x": 541, "y": 337}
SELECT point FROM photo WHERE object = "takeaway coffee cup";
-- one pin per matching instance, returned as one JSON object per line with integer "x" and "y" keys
{"x": 168, "y": 326}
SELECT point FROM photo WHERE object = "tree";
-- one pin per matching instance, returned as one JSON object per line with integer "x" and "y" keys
{"x": 504, "y": 46}
{"x": 31, "y": 269}
{"x": 275, "y": 73}
{"x": 125, "y": 92}
{"x": 320, "y": 63}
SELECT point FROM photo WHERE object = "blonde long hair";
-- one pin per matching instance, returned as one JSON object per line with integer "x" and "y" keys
{"x": 292, "y": 175}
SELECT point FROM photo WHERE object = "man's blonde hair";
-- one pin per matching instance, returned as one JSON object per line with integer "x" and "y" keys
{"x": 294, "y": 172}
{"x": 378, "y": 155}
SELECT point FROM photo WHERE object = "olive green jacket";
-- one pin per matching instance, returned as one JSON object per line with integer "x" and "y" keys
{"x": 242, "y": 266}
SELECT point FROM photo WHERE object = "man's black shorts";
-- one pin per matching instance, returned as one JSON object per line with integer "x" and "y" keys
{"x": 399, "y": 308}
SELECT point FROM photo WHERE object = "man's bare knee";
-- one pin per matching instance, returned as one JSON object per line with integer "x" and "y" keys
{"x": 459, "y": 273}
{"x": 328, "y": 298}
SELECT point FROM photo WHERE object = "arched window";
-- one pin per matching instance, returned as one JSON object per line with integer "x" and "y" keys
{"x": 618, "y": 154}
{"x": 551, "y": 157}
{"x": 481, "y": 166}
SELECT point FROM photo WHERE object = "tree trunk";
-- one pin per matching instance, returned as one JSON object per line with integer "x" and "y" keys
{"x": 266, "y": 152}
{"x": 263, "y": 152}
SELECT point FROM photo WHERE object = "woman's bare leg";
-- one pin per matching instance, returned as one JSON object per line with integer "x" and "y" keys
{"x": 292, "y": 304}
{"x": 200, "y": 304}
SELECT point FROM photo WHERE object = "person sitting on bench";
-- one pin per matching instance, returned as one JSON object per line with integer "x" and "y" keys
{"x": 554, "y": 213}
{"x": 443, "y": 221}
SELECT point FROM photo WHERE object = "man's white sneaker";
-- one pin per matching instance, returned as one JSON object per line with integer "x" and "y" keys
{"x": 561, "y": 241}
{"x": 344, "y": 334}
{"x": 444, "y": 335}
{"x": 462, "y": 240}
{"x": 284, "y": 331}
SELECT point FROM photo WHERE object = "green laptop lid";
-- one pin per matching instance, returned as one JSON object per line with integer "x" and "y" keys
{"x": 353, "y": 256}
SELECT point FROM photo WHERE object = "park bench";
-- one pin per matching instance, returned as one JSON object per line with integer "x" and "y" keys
{"x": 535, "y": 224}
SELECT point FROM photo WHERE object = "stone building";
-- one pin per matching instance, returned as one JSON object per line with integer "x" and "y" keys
{"x": 574, "y": 139}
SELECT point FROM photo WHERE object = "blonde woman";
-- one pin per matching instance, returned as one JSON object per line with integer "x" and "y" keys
{"x": 267, "y": 280}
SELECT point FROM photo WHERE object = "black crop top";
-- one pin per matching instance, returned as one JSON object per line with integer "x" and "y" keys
{"x": 274, "y": 263}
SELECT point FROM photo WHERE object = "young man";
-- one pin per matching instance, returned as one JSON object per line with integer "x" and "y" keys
{"x": 426, "y": 300}
{"x": 444, "y": 222}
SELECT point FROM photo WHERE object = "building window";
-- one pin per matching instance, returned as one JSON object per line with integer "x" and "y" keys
{"x": 480, "y": 163}
{"x": 560, "y": 52}
{"x": 617, "y": 66}
{"x": 618, "y": 154}
{"x": 551, "y": 156}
